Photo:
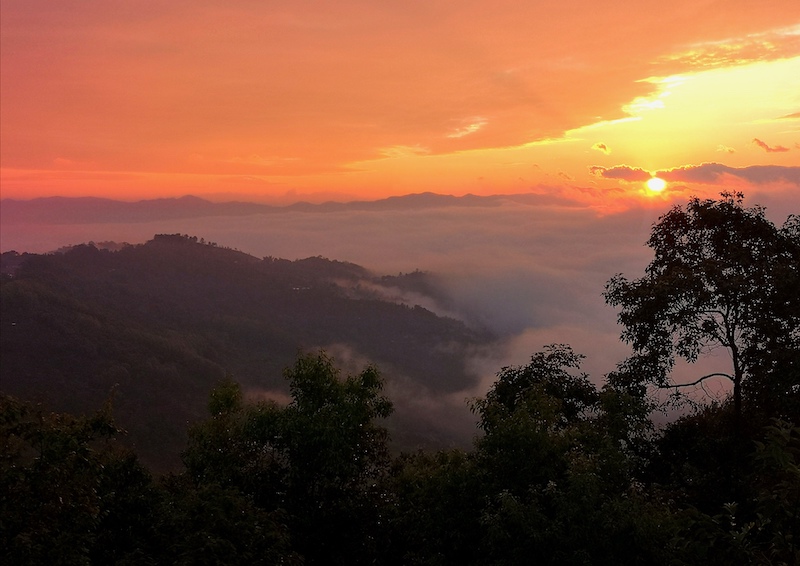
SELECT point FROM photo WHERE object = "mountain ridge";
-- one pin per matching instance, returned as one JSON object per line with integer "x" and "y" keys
{"x": 89, "y": 210}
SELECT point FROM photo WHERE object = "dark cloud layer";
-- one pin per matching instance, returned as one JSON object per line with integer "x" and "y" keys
{"x": 713, "y": 173}
{"x": 622, "y": 172}
{"x": 706, "y": 173}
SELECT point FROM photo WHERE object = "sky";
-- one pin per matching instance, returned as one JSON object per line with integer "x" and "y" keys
{"x": 579, "y": 102}
{"x": 361, "y": 99}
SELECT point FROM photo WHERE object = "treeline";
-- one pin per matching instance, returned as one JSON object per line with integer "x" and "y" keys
{"x": 562, "y": 472}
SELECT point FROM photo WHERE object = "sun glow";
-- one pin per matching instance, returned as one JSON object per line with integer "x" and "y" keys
{"x": 656, "y": 184}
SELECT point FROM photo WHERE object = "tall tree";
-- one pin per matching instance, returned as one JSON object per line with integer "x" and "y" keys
{"x": 723, "y": 275}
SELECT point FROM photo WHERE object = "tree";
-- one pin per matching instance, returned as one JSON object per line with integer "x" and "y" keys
{"x": 723, "y": 276}
{"x": 527, "y": 414}
{"x": 318, "y": 459}
{"x": 557, "y": 464}
{"x": 336, "y": 452}
{"x": 546, "y": 376}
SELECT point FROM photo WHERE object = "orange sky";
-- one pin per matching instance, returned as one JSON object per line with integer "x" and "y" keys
{"x": 279, "y": 101}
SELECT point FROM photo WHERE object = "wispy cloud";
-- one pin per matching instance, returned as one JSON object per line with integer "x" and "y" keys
{"x": 725, "y": 149}
{"x": 769, "y": 149}
{"x": 472, "y": 126}
{"x": 767, "y": 46}
{"x": 404, "y": 151}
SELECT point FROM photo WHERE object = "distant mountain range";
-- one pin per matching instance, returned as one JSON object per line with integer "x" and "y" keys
{"x": 158, "y": 324}
{"x": 88, "y": 210}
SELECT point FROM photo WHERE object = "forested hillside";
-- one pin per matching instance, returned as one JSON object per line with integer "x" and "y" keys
{"x": 159, "y": 324}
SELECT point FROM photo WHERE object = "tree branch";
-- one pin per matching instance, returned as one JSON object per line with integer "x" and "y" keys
{"x": 702, "y": 379}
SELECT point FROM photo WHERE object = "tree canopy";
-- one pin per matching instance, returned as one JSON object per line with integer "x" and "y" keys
{"x": 723, "y": 275}
{"x": 315, "y": 460}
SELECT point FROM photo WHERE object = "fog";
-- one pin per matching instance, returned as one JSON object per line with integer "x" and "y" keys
{"x": 532, "y": 274}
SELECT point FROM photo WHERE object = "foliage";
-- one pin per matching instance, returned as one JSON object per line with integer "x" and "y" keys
{"x": 776, "y": 532}
{"x": 530, "y": 416}
{"x": 763, "y": 527}
{"x": 318, "y": 459}
{"x": 433, "y": 507}
{"x": 67, "y": 496}
{"x": 567, "y": 397}
{"x": 558, "y": 460}
{"x": 211, "y": 524}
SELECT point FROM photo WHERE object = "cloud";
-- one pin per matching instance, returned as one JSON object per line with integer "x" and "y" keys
{"x": 622, "y": 172}
{"x": 768, "y": 46}
{"x": 473, "y": 125}
{"x": 792, "y": 116}
{"x": 711, "y": 173}
{"x": 598, "y": 192}
{"x": 601, "y": 147}
{"x": 725, "y": 149}
{"x": 404, "y": 151}
{"x": 305, "y": 93}
{"x": 769, "y": 149}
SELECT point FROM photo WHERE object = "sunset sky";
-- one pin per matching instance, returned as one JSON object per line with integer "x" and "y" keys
{"x": 281, "y": 101}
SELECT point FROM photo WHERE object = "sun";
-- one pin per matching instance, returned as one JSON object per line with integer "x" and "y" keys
{"x": 656, "y": 184}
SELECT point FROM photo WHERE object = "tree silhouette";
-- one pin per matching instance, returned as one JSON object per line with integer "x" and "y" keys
{"x": 723, "y": 276}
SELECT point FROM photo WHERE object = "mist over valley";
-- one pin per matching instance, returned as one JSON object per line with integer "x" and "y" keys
{"x": 439, "y": 292}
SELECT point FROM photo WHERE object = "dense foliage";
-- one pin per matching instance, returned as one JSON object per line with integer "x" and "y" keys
{"x": 562, "y": 472}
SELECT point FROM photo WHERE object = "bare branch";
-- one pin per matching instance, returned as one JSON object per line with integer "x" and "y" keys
{"x": 697, "y": 382}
